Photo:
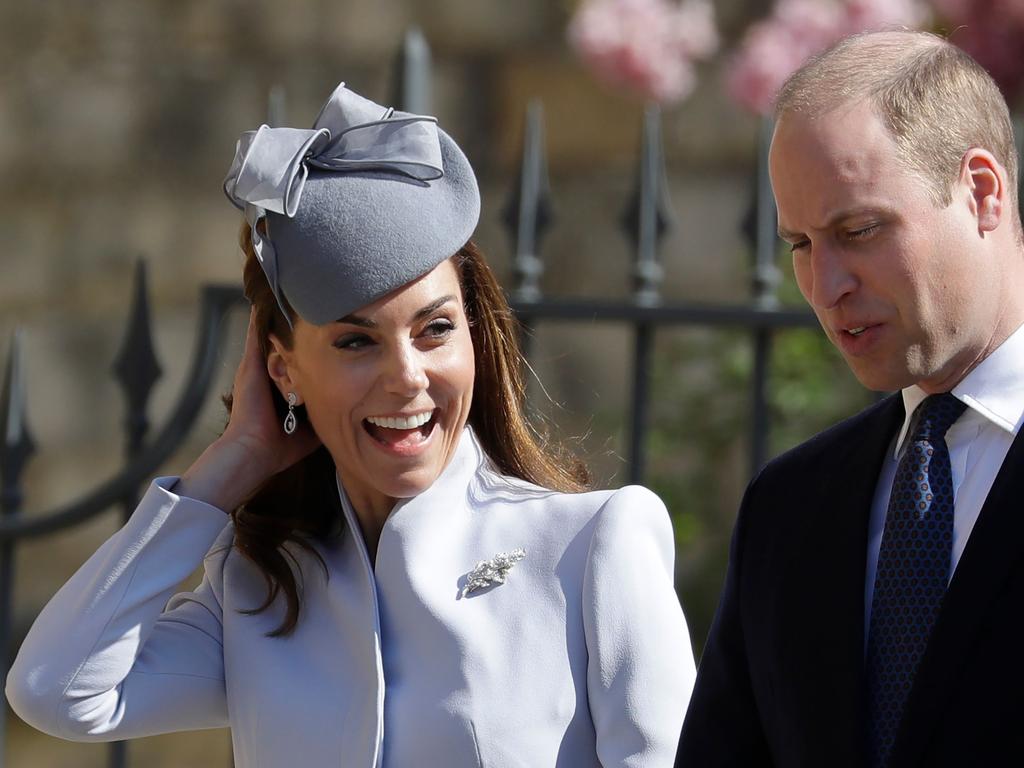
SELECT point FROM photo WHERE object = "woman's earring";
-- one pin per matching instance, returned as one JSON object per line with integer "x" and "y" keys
{"x": 290, "y": 422}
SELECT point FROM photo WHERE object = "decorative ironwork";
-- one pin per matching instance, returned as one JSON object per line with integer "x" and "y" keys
{"x": 1018, "y": 140}
{"x": 765, "y": 242}
{"x": 412, "y": 91}
{"x": 647, "y": 219}
{"x": 648, "y": 215}
{"x": 18, "y": 445}
{"x": 15, "y": 450}
{"x": 215, "y": 302}
{"x": 136, "y": 366}
{"x": 528, "y": 213}
{"x": 762, "y": 231}
{"x": 277, "y": 106}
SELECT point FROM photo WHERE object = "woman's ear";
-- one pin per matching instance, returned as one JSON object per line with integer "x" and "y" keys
{"x": 279, "y": 367}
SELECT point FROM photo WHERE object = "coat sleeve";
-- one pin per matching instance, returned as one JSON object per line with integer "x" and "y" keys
{"x": 640, "y": 669}
{"x": 723, "y": 726}
{"x": 110, "y": 656}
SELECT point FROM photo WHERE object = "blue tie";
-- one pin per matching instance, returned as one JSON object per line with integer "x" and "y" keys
{"x": 913, "y": 570}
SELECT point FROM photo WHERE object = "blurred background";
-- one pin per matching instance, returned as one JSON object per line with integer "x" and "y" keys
{"x": 118, "y": 121}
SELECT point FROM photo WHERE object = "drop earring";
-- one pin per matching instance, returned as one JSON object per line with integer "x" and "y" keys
{"x": 290, "y": 422}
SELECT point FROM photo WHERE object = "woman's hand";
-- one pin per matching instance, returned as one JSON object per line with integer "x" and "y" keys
{"x": 254, "y": 445}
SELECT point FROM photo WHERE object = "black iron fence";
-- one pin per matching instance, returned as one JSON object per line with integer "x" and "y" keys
{"x": 528, "y": 216}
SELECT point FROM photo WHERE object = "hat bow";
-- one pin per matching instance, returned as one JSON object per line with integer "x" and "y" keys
{"x": 351, "y": 134}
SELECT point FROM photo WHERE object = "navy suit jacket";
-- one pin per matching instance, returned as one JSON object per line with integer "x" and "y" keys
{"x": 781, "y": 681}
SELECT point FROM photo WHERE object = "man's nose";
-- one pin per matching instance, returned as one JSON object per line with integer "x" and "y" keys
{"x": 405, "y": 374}
{"x": 831, "y": 277}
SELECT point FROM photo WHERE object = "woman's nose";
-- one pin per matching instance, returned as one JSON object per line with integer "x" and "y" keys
{"x": 406, "y": 374}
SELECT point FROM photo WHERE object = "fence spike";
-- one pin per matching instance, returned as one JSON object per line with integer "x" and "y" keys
{"x": 1018, "y": 140}
{"x": 761, "y": 226}
{"x": 17, "y": 446}
{"x": 528, "y": 213}
{"x": 276, "y": 103}
{"x": 136, "y": 366}
{"x": 412, "y": 91}
{"x": 648, "y": 215}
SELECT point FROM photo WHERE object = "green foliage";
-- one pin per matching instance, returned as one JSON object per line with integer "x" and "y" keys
{"x": 700, "y": 436}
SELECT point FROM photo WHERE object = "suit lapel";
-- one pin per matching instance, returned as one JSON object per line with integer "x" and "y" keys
{"x": 824, "y": 648}
{"x": 994, "y": 547}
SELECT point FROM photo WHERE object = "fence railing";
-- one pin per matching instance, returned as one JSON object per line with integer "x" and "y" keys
{"x": 646, "y": 219}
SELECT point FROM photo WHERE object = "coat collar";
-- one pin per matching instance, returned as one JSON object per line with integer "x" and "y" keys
{"x": 825, "y": 623}
{"x": 451, "y": 484}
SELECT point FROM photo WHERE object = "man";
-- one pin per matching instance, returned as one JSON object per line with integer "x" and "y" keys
{"x": 873, "y": 611}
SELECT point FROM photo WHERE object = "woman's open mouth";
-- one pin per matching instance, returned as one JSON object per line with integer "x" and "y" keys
{"x": 401, "y": 432}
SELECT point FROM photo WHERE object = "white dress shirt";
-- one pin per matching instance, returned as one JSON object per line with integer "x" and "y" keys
{"x": 978, "y": 443}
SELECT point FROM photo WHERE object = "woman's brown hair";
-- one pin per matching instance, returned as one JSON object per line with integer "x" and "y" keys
{"x": 300, "y": 505}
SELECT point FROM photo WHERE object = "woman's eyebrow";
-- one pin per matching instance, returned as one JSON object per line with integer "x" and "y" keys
{"x": 432, "y": 307}
{"x": 365, "y": 322}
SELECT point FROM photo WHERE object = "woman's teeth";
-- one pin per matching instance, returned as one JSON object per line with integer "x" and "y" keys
{"x": 857, "y": 331}
{"x": 401, "y": 422}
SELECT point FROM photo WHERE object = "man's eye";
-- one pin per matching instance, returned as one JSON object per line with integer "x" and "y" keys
{"x": 353, "y": 341}
{"x": 863, "y": 233}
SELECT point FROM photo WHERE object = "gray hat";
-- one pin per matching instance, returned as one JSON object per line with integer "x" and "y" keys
{"x": 366, "y": 201}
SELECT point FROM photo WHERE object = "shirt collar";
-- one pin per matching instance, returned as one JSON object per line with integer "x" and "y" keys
{"x": 994, "y": 389}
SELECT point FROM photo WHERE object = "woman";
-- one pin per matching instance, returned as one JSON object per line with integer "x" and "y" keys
{"x": 408, "y": 577}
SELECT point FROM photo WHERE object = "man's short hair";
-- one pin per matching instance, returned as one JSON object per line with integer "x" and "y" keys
{"x": 935, "y": 100}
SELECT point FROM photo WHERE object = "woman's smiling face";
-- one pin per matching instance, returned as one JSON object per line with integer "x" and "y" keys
{"x": 388, "y": 388}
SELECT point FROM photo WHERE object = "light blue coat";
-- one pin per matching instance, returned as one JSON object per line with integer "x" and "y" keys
{"x": 581, "y": 658}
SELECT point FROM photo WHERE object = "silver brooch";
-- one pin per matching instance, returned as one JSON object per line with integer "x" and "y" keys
{"x": 486, "y": 573}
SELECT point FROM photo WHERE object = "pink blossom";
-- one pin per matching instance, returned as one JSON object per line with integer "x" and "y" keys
{"x": 646, "y": 45}
{"x": 814, "y": 22}
{"x": 956, "y": 11}
{"x": 992, "y": 32}
{"x": 695, "y": 30}
{"x": 774, "y": 48}
{"x": 1010, "y": 10}
{"x": 863, "y": 15}
{"x": 770, "y": 53}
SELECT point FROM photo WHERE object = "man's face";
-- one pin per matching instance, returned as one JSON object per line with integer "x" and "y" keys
{"x": 900, "y": 286}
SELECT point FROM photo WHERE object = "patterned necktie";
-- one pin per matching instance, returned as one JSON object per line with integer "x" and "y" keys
{"x": 913, "y": 570}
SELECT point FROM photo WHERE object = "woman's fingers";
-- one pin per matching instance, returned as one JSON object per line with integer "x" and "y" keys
{"x": 254, "y": 445}
{"x": 251, "y": 365}
{"x": 255, "y": 421}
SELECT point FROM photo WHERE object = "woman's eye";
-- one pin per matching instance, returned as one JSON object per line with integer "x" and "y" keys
{"x": 439, "y": 328}
{"x": 353, "y": 341}
{"x": 798, "y": 245}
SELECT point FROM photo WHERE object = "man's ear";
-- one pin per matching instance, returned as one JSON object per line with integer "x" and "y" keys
{"x": 987, "y": 182}
{"x": 280, "y": 369}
